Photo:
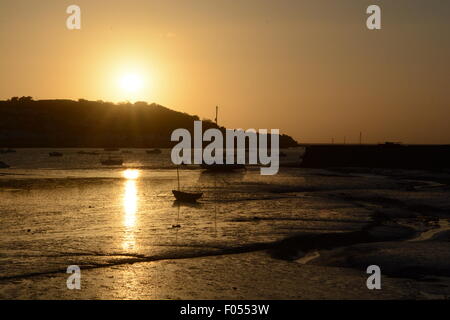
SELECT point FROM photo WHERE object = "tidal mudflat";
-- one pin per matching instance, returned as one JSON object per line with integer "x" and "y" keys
{"x": 301, "y": 234}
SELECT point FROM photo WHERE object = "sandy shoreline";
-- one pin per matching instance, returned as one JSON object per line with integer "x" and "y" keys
{"x": 241, "y": 276}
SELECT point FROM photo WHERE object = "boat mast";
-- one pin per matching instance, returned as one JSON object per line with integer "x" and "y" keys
{"x": 217, "y": 111}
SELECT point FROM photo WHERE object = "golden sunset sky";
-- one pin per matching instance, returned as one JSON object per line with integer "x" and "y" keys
{"x": 310, "y": 68}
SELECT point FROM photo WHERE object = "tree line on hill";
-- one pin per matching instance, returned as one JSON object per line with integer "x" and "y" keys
{"x": 61, "y": 123}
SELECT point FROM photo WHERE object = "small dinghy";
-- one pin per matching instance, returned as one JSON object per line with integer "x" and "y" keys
{"x": 88, "y": 153}
{"x": 9, "y": 150}
{"x": 112, "y": 162}
{"x": 185, "y": 196}
{"x": 55, "y": 154}
{"x": 153, "y": 151}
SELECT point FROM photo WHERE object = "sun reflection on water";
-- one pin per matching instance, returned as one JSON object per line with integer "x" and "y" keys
{"x": 130, "y": 199}
{"x": 130, "y": 205}
{"x": 131, "y": 174}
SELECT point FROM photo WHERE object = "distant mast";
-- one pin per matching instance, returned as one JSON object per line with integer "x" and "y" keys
{"x": 217, "y": 111}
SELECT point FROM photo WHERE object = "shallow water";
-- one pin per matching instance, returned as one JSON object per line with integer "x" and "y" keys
{"x": 56, "y": 212}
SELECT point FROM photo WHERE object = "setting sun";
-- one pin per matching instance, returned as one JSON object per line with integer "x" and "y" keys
{"x": 131, "y": 83}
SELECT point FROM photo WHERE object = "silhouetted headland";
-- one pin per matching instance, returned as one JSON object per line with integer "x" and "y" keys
{"x": 97, "y": 124}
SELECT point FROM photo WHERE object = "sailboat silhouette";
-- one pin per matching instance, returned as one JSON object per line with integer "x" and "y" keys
{"x": 185, "y": 196}
{"x": 224, "y": 167}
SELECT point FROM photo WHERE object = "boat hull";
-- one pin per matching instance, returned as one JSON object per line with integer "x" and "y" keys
{"x": 186, "y": 197}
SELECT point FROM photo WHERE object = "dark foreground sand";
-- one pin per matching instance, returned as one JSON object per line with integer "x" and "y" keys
{"x": 239, "y": 276}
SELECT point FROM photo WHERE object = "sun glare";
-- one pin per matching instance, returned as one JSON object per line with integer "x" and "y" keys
{"x": 131, "y": 174}
{"x": 131, "y": 83}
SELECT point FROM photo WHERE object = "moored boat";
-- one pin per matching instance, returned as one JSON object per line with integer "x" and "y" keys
{"x": 55, "y": 154}
{"x": 182, "y": 196}
{"x": 112, "y": 162}
{"x": 186, "y": 196}
{"x": 154, "y": 151}
{"x": 224, "y": 167}
{"x": 91, "y": 153}
{"x": 8, "y": 150}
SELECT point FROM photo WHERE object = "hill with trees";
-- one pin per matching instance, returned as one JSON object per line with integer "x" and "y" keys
{"x": 25, "y": 122}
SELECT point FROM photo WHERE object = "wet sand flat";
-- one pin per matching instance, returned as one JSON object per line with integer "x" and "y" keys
{"x": 240, "y": 276}
{"x": 302, "y": 234}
